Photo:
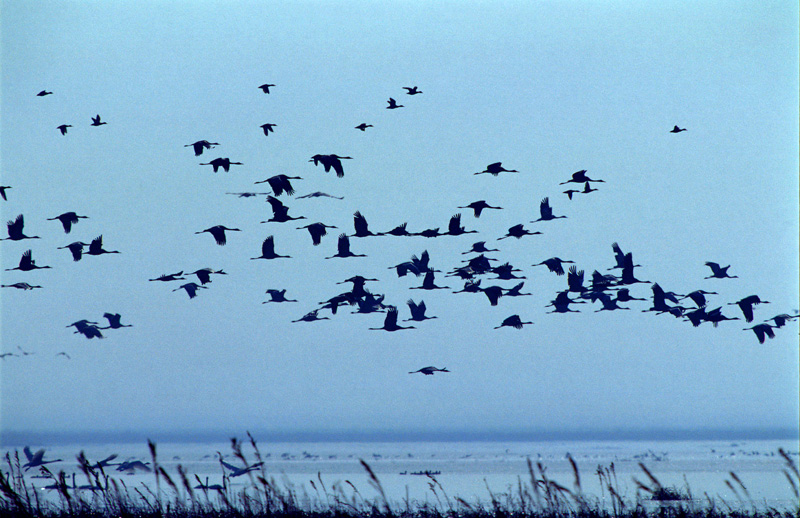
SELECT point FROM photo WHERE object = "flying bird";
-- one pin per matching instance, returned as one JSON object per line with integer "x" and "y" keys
{"x": 780, "y": 320}
{"x": 20, "y": 286}
{"x": 390, "y": 322}
{"x": 428, "y": 371}
{"x": 191, "y": 288}
{"x": 201, "y": 145}
{"x": 96, "y": 121}
{"x": 478, "y": 206}
{"x": 63, "y": 128}
{"x": 363, "y": 126}
{"x": 224, "y": 163}
{"x": 762, "y": 331}
{"x": 479, "y": 247}
{"x": 317, "y": 230}
{"x": 170, "y": 277}
{"x": 67, "y": 220}
{"x": 268, "y": 250}
{"x": 311, "y": 316}
{"x": 417, "y": 311}
{"x": 496, "y": 168}
{"x": 676, "y": 129}
{"x": 43, "y": 93}
{"x": 554, "y": 264}
{"x": 428, "y": 283}
{"x": 218, "y": 231}
{"x": 746, "y": 305}
{"x": 580, "y": 177}
{"x": 267, "y": 128}
{"x": 280, "y": 212}
{"x": 331, "y": 161}
{"x": 3, "y": 191}
{"x": 546, "y": 212}
{"x": 518, "y": 231}
{"x": 277, "y": 296}
{"x": 236, "y": 472}
{"x": 15, "y": 227}
{"x": 513, "y": 321}
{"x": 361, "y": 226}
{"x": 412, "y": 90}
{"x": 114, "y": 321}
{"x": 265, "y": 88}
{"x": 454, "y": 228}
{"x": 719, "y": 272}
{"x": 26, "y": 263}
{"x": 393, "y": 104}
{"x": 96, "y": 247}
{"x": 320, "y": 195}
{"x": 280, "y": 184}
{"x": 343, "y": 248}
{"x": 204, "y": 274}
{"x": 35, "y": 459}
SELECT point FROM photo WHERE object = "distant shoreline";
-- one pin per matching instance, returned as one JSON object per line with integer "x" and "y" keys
{"x": 13, "y": 438}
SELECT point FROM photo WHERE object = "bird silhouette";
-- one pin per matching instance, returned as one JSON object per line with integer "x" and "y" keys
{"x": 479, "y": 247}
{"x": 698, "y": 297}
{"x": 131, "y": 466}
{"x": 15, "y": 227}
{"x": 624, "y": 295}
{"x": 67, "y": 220}
{"x": 26, "y": 263}
{"x": 247, "y": 194}
{"x": 268, "y": 250}
{"x": 90, "y": 330}
{"x": 201, "y": 145}
{"x": 676, "y": 129}
{"x": 358, "y": 282}
{"x": 114, "y": 321}
{"x": 493, "y": 293}
{"x": 343, "y": 248}
{"x": 311, "y": 316}
{"x": 280, "y": 184}
{"x": 575, "y": 280}
{"x": 169, "y": 277}
{"x": 429, "y": 232}
{"x": 265, "y": 87}
{"x": 546, "y": 212}
{"x": 580, "y": 177}
{"x": 478, "y": 206}
{"x": 496, "y": 168}
{"x": 516, "y": 291}
{"x": 417, "y": 311}
{"x": 96, "y": 247}
{"x": 35, "y": 459}
{"x": 277, "y": 296}
{"x": 570, "y": 192}
{"x": 319, "y": 194}
{"x": 331, "y": 161}
{"x": 428, "y": 283}
{"x": 191, "y": 289}
{"x": 63, "y": 128}
{"x": 780, "y": 320}
{"x": 518, "y": 231}
{"x": 621, "y": 258}
{"x": 399, "y": 230}
{"x": 390, "y": 322}
{"x": 554, "y": 264}
{"x": 363, "y": 126}
{"x": 393, "y": 104}
{"x": 280, "y": 212}
{"x": 218, "y": 231}
{"x": 719, "y": 272}
{"x": 3, "y": 191}
{"x": 96, "y": 121}
{"x": 627, "y": 276}
{"x": 20, "y": 286}
{"x": 224, "y": 163}
{"x": 513, "y": 321}
{"x": 587, "y": 188}
{"x": 505, "y": 272}
{"x": 428, "y": 371}
{"x": 746, "y": 305}
{"x": 561, "y": 303}
{"x": 236, "y": 471}
{"x": 609, "y": 304}
{"x": 204, "y": 274}
{"x": 454, "y": 228}
{"x": 412, "y": 90}
{"x": 43, "y": 93}
{"x": 267, "y": 128}
{"x": 762, "y": 331}
{"x": 317, "y": 231}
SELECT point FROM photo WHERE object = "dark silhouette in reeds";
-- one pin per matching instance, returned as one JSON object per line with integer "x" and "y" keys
{"x": 35, "y": 459}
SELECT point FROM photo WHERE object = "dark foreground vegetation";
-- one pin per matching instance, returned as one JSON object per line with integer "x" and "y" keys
{"x": 536, "y": 495}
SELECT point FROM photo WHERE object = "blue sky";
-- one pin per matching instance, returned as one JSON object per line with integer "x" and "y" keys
{"x": 547, "y": 88}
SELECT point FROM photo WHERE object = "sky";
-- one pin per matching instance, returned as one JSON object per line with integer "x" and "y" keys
{"x": 547, "y": 88}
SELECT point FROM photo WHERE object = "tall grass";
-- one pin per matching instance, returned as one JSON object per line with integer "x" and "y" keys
{"x": 537, "y": 495}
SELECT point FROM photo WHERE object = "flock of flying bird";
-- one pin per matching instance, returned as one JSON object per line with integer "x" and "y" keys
{"x": 606, "y": 290}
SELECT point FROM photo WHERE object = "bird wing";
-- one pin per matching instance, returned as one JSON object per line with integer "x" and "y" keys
{"x": 360, "y": 223}
{"x": 391, "y": 318}
{"x": 344, "y": 244}
{"x": 337, "y": 166}
{"x": 96, "y": 244}
{"x": 268, "y": 246}
{"x": 544, "y": 209}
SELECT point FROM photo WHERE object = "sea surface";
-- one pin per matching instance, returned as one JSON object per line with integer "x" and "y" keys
{"x": 473, "y": 471}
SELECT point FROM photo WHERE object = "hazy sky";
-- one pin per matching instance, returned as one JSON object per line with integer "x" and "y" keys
{"x": 547, "y": 88}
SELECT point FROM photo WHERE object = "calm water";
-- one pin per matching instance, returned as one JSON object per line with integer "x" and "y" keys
{"x": 471, "y": 469}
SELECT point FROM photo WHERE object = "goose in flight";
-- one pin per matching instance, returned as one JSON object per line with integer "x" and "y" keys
{"x": 277, "y": 296}
{"x": 201, "y": 145}
{"x": 280, "y": 184}
{"x": 43, "y": 93}
{"x": 267, "y": 128}
{"x": 676, "y": 129}
{"x": 343, "y": 248}
{"x": 719, "y": 272}
{"x": 316, "y": 230}
{"x": 546, "y": 211}
{"x": 555, "y": 265}
{"x": 204, "y": 274}
{"x": 96, "y": 121}
{"x": 393, "y": 104}
{"x": 265, "y": 87}
{"x": 280, "y": 212}
{"x": 26, "y": 263}
{"x": 224, "y": 163}
{"x": 331, "y": 161}
{"x": 35, "y": 459}
{"x": 412, "y": 90}
{"x": 496, "y": 168}
{"x": 363, "y": 126}
{"x": 268, "y": 250}
{"x": 20, "y": 286}
{"x": 218, "y": 231}
{"x": 428, "y": 371}
{"x": 478, "y": 206}
{"x": 191, "y": 288}
{"x": 390, "y": 322}
{"x": 3, "y": 191}
{"x": 169, "y": 277}
{"x": 67, "y": 220}
{"x": 114, "y": 321}
{"x": 513, "y": 321}
{"x": 417, "y": 311}
{"x": 15, "y": 227}
{"x": 63, "y": 128}
{"x": 580, "y": 177}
